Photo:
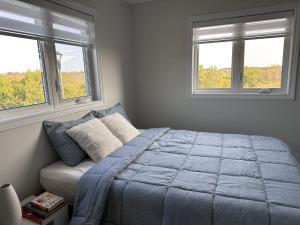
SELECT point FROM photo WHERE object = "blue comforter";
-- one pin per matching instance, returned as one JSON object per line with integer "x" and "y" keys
{"x": 173, "y": 177}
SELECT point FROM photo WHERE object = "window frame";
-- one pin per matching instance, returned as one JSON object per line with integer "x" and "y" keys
{"x": 8, "y": 114}
{"x": 87, "y": 68}
{"x": 290, "y": 58}
{"x": 196, "y": 78}
{"x": 54, "y": 106}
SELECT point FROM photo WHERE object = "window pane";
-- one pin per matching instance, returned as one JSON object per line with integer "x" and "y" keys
{"x": 21, "y": 79}
{"x": 71, "y": 71}
{"x": 214, "y": 70}
{"x": 263, "y": 63}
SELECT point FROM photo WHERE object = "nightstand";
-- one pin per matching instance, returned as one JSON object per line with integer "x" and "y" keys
{"x": 60, "y": 217}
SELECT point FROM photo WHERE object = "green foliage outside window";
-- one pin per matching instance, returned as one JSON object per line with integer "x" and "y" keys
{"x": 214, "y": 77}
{"x": 24, "y": 89}
{"x": 21, "y": 89}
{"x": 254, "y": 77}
{"x": 262, "y": 77}
{"x": 74, "y": 84}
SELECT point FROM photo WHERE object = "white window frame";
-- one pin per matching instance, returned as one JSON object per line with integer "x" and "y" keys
{"x": 58, "y": 99}
{"x": 290, "y": 58}
{"x": 55, "y": 107}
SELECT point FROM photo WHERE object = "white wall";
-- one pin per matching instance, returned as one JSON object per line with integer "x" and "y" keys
{"x": 25, "y": 150}
{"x": 160, "y": 34}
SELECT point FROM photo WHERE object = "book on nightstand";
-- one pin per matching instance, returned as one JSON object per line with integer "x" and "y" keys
{"x": 47, "y": 202}
{"x": 42, "y": 207}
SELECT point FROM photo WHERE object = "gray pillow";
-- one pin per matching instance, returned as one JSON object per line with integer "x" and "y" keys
{"x": 118, "y": 108}
{"x": 67, "y": 149}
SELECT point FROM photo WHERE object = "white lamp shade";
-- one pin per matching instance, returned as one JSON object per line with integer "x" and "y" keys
{"x": 10, "y": 208}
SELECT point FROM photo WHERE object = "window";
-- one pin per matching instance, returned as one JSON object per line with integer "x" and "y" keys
{"x": 48, "y": 58}
{"x": 72, "y": 72}
{"x": 247, "y": 55}
{"x": 21, "y": 83}
{"x": 214, "y": 65}
{"x": 266, "y": 73}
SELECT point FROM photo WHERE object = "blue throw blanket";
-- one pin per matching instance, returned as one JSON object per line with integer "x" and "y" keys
{"x": 169, "y": 177}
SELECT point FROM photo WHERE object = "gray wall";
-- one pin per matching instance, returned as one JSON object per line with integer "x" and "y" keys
{"x": 156, "y": 96}
{"x": 160, "y": 34}
{"x": 25, "y": 150}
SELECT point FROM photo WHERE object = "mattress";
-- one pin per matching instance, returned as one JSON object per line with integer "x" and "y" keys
{"x": 62, "y": 180}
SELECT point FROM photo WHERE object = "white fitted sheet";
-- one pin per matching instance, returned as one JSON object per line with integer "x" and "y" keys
{"x": 62, "y": 180}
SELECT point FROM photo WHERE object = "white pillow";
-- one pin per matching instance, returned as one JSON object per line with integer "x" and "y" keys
{"x": 120, "y": 127}
{"x": 95, "y": 139}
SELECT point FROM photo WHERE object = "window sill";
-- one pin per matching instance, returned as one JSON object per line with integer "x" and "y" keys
{"x": 250, "y": 96}
{"x": 35, "y": 117}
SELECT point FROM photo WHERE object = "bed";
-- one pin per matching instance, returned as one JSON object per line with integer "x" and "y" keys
{"x": 176, "y": 177}
{"x": 62, "y": 180}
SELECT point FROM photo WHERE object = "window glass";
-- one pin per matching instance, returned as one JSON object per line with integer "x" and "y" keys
{"x": 263, "y": 63}
{"x": 71, "y": 70}
{"x": 214, "y": 66}
{"x": 21, "y": 76}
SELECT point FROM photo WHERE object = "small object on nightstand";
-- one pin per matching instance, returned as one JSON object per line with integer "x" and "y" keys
{"x": 47, "y": 202}
{"x": 33, "y": 216}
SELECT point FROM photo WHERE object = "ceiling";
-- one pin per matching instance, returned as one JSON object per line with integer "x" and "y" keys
{"x": 136, "y": 1}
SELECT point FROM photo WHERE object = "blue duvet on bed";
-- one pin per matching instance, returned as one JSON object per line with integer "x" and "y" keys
{"x": 173, "y": 177}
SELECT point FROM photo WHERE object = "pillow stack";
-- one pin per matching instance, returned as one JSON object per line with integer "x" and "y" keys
{"x": 95, "y": 135}
{"x": 100, "y": 137}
